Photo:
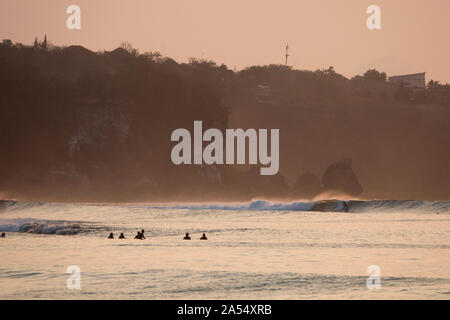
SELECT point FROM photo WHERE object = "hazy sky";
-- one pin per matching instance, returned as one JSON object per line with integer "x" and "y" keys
{"x": 321, "y": 33}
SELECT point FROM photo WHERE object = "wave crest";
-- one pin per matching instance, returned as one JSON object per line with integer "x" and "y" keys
{"x": 41, "y": 226}
{"x": 325, "y": 206}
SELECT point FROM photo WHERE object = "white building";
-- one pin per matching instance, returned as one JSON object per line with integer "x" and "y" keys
{"x": 415, "y": 80}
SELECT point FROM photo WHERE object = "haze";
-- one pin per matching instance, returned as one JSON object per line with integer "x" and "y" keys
{"x": 414, "y": 35}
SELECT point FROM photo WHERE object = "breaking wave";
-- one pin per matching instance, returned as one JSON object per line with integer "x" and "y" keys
{"x": 42, "y": 226}
{"x": 62, "y": 227}
{"x": 263, "y": 205}
{"x": 328, "y": 206}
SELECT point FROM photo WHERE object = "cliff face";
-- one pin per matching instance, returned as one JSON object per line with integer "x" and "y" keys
{"x": 82, "y": 126}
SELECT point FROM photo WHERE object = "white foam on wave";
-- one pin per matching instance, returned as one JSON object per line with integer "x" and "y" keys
{"x": 323, "y": 206}
{"x": 263, "y": 205}
{"x": 257, "y": 205}
{"x": 40, "y": 226}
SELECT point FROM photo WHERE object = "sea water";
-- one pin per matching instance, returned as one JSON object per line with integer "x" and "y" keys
{"x": 258, "y": 250}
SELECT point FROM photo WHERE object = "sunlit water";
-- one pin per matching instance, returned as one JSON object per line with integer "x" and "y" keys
{"x": 250, "y": 253}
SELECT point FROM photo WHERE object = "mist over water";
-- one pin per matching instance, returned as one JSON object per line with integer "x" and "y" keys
{"x": 254, "y": 250}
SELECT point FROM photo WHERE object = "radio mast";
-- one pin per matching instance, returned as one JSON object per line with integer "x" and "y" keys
{"x": 287, "y": 53}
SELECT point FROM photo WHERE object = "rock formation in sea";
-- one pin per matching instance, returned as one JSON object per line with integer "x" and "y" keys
{"x": 307, "y": 186}
{"x": 340, "y": 177}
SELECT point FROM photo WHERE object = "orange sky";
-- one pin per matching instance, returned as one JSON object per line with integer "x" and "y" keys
{"x": 321, "y": 33}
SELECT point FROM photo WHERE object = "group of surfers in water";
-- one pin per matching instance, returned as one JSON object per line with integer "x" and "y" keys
{"x": 140, "y": 236}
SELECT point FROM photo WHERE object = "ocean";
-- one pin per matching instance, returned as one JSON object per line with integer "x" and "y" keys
{"x": 256, "y": 250}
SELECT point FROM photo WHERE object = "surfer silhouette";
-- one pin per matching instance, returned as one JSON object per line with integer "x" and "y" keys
{"x": 111, "y": 236}
{"x": 3, "y": 235}
{"x": 186, "y": 237}
{"x": 345, "y": 206}
{"x": 139, "y": 236}
{"x": 142, "y": 234}
{"x": 204, "y": 237}
{"x": 121, "y": 236}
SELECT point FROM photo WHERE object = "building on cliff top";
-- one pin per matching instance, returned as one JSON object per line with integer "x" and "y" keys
{"x": 415, "y": 80}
